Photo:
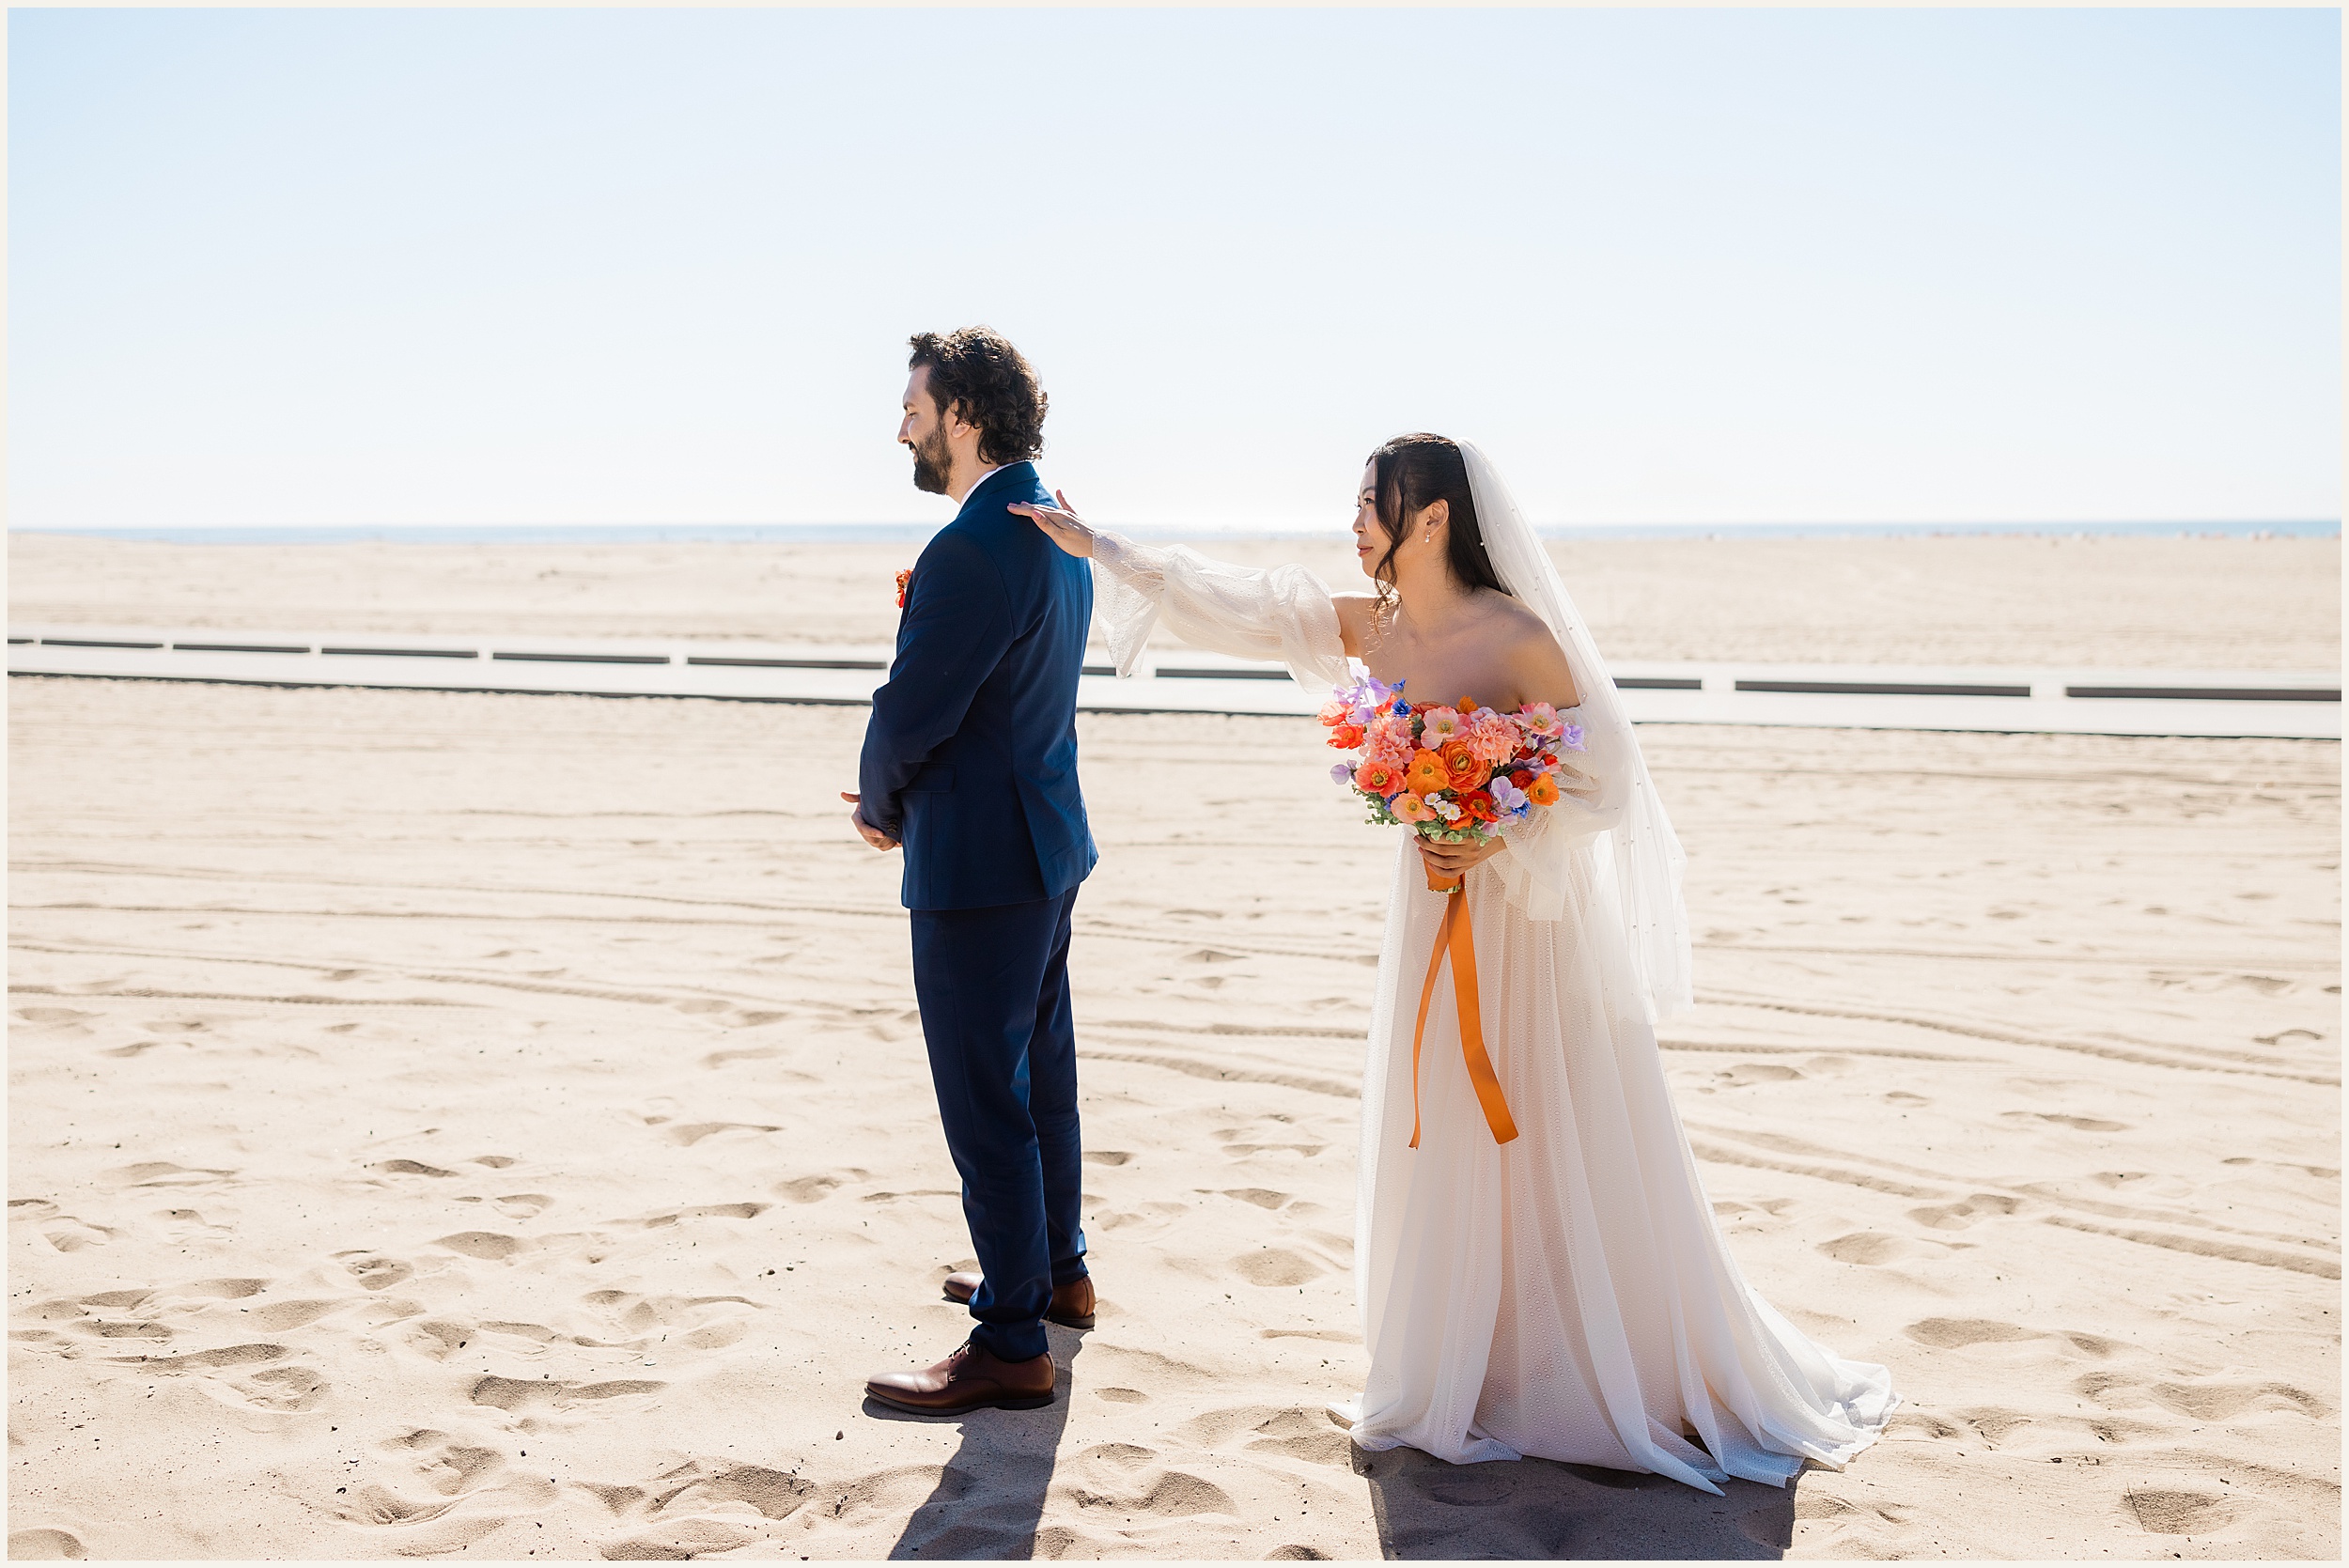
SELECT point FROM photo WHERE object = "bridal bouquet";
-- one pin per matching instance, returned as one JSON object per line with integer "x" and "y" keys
{"x": 1455, "y": 775}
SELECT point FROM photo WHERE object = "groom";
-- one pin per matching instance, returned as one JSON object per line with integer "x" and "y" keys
{"x": 971, "y": 765}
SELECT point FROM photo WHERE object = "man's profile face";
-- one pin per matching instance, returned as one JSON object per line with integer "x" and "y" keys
{"x": 924, "y": 432}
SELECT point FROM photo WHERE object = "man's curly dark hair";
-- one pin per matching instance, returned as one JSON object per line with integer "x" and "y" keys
{"x": 978, "y": 369}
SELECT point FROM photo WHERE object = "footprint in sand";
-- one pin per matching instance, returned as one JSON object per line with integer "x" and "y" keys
{"x": 409, "y": 1167}
{"x": 2166, "y": 1512}
{"x": 1142, "y": 1218}
{"x": 1956, "y": 1333}
{"x": 1295, "y": 1431}
{"x": 692, "y": 1133}
{"x": 1957, "y": 1216}
{"x": 457, "y": 1475}
{"x": 161, "y": 1172}
{"x": 256, "y": 1376}
{"x": 489, "y": 1246}
{"x": 444, "y": 1465}
{"x": 1872, "y": 1248}
{"x": 522, "y": 1205}
{"x": 2204, "y": 1400}
{"x": 1172, "y": 1495}
{"x": 439, "y": 1338}
{"x": 1746, "y": 1073}
{"x": 188, "y": 1225}
{"x": 709, "y": 1322}
{"x": 278, "y": 1317}
{"x": 776, "y": 1494}
{"x": 1125, "y": 1456}
{"x": 70, "y": 1234}
{"x": 664, "y": 1218}
{"x": 373, "y": 1271}
{"x": 1276, "y": 1266}
{"x": 46, "y": 1544}
{"x": 529, "y": 1397}
{"x": 806, "y": 1189}
{"x": 2078, "y": 1124}
{"x": 1263, "y": 1197}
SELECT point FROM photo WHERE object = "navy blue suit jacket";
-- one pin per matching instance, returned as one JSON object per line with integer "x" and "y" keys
{"x": 970, "y": 757}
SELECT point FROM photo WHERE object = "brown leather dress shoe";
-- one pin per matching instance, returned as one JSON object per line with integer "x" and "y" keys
{"x": 970, "y": 1379}
{"x": 1071, "y": 1306}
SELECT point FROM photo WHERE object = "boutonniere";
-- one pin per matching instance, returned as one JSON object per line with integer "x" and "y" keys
{"x": 903, "y": 578}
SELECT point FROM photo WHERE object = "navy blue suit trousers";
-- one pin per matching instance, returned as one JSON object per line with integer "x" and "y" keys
{"x": 993, "y": 986}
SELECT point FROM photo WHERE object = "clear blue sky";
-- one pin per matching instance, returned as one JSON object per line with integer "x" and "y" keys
{"x": 580, "y": 267}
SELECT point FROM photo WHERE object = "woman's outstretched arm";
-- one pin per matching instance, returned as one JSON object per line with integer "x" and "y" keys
{"x": 1284, "y": 613}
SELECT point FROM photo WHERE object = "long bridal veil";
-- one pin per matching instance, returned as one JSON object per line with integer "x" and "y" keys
{"x": 1639, "y": 848}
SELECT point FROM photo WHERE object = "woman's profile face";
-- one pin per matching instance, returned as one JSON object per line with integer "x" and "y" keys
{"x": 1370, "y": 534}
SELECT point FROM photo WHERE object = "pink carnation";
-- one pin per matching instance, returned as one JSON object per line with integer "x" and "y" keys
{"x": 1492, "y": 737}
{"x": 1388, "y": 741}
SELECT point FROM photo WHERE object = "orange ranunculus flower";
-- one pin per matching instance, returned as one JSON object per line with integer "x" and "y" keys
{"x": 1543, "y": 791}
{"x": 1346, "y": 737}
{"x": 1426, "y": 774}
{"x": 1463, "y": 766}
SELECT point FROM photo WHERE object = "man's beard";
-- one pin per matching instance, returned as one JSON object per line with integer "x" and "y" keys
{"x": 933, "y": 461}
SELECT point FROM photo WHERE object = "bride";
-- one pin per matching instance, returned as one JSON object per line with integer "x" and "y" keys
{"x": 1564, "y": 1295}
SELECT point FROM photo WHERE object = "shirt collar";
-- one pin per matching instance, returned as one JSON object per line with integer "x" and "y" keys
{"x": 981, "y": 482}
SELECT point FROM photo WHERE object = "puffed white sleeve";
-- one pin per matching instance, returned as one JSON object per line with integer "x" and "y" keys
{"x": 1281, "y": 614}
{"x": 1537, "y": 863}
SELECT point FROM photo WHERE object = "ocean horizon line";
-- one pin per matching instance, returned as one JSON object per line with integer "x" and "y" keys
{"x": 899, "y": 533}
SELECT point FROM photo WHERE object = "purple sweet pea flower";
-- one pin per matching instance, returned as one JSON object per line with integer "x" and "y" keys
{"x": 1508, "y": 796}
{"x": 1341, "y": 774}
{"x": 1570, "y": 736}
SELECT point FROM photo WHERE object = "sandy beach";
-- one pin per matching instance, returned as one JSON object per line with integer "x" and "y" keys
{"x": 499, "y": 1125}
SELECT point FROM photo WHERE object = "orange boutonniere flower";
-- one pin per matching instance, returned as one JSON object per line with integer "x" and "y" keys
{"x": 903, "y": 578}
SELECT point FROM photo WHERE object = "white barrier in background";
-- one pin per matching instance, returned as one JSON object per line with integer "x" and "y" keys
{"x": 2290, "y": 705}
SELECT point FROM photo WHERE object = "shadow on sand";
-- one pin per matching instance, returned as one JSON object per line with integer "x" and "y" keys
{"x": 1535, "y": 1508}
{"x": 991, "y": 1495}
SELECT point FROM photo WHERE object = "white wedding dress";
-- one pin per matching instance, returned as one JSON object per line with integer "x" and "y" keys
{"x": 1566, "y": 1296}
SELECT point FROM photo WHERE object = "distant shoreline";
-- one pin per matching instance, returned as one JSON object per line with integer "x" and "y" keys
{"x": 900, "y": 533}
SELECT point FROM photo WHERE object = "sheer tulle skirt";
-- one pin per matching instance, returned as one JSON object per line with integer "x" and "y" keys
{"x": 1568, "y": 1296}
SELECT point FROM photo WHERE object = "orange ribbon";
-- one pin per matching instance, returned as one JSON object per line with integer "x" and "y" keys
{"x": 1453, "y": 937}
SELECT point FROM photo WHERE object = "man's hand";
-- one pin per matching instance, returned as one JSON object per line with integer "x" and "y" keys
{"x": 1453, "y": 859}
{"x": 865, "y": 830}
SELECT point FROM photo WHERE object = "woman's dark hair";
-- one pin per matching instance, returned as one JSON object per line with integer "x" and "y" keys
{"x": 1414, "y": 472}
{"x": 978, "y": 369}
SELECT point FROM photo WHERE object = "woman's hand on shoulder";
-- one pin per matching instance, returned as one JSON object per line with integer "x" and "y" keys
{"x": 1061, "y": 526}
